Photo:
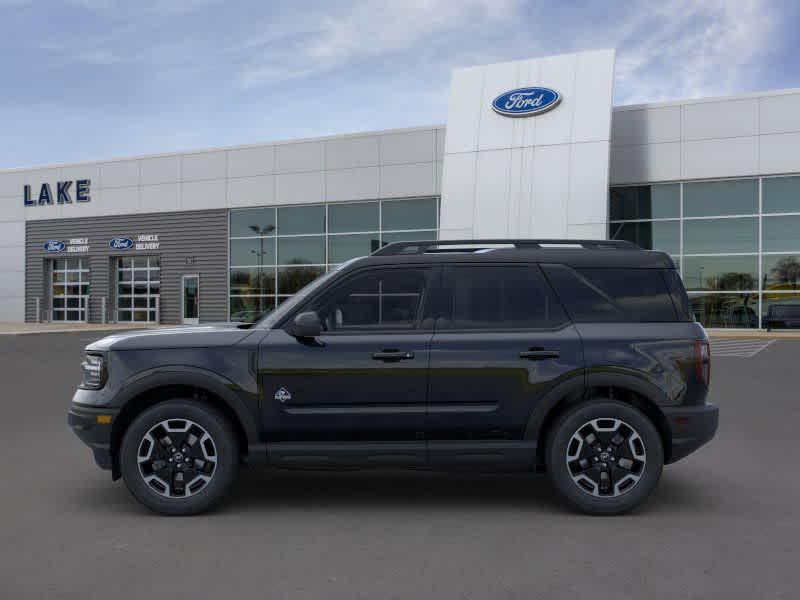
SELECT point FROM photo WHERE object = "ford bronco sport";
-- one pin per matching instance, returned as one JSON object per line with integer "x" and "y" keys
{"x": 578, "y": 358}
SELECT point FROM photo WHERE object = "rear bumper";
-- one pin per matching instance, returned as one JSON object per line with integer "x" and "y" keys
{"x": 692, "y": 426}
{"x": 97, "y": 435}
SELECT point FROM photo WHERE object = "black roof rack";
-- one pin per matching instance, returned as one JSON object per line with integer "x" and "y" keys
{"x": 421, "y": 247}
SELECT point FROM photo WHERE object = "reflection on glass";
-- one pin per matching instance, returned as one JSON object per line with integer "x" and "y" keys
{"x": 409, "y": 214}
{"x": 295, "y": 220}
{"x": 650, "y": 235}
{"x": 720, "y": 272}
{"x": 252, "y": 281}
{"x": 253, "y": 252}
{"x": 780, "y": 311}
{"x": 780, "y": 272}
{"x": 351, "y": 217}
{"x": 292, "y": 279}
{"x": 717, "y": 236}
{"x": 645, "y": 202}
{"x": 412, "y": 236}
{"x": 780, "y": 194}
{"x": 781, "y": 234}
{"x": 345, "y": 247}
{"x": 712, "y": 198}
{"x": 249, "y": 308}
{"x": 301, "y": 250}
{"x": 253, "y": 221}
{"x": 725, "y": 310}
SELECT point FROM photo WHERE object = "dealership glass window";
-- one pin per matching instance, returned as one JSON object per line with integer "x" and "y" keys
{"x": 309, "y": 240}
{"x": 298, "y": 220}
{"x": 352, "y": 217}
{"x": 305, "y": 250}
{"x": 138, "y": 288}
{"x": 713, "y": 198}
{"x": 651, "y": 235}
{"x": 345, "y": 247}
{"x": 645, "y": 202}
{"x": 253, "y": 222}
{"x": 781, "y": 234}
{"x": 780, "y": 194}
{"x": 70, "y": 289}
{"x": 776, "y": 307}
{"x": 739, "y": 311}
{"x": 720, "y": 236}
{"x": 720, "y": 273}
{"x": 420, "y": 213}
{"x": 780, "y": 272}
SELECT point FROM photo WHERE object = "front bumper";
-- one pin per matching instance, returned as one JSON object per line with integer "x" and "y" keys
{"x": 93, "y": 426}
{"x": 692, "y": 426}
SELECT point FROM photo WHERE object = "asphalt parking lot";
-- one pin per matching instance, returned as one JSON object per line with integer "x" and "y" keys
{"x": 724, "y": 523}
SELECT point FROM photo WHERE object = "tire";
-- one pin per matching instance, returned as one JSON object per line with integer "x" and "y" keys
{"x": 144, "y": 447}
{"x": 570, "y": 443}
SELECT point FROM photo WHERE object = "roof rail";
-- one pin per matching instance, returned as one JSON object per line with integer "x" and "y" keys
{"x": 421, "y": 247}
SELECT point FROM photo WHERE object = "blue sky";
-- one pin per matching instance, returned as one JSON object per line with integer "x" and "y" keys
{"x": 96, "y": 79}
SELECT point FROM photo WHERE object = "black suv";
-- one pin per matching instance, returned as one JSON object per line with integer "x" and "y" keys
{"x": 579, "y": 358}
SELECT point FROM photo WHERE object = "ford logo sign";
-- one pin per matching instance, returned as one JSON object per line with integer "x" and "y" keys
{"x": 526, "y": 102}
{"x": 120, "y": 243}
{"x": 54, "y": 246}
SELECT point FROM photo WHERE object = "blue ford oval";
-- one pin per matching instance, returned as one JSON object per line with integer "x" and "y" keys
{"x": 526, "y": 102}
{"x": 120, "y": 243}
{"x": 54, "y": 246}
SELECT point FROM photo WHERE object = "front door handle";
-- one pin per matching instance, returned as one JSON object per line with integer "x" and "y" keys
{"x": 392, "y": 355}
{"x": 539, "y": 354}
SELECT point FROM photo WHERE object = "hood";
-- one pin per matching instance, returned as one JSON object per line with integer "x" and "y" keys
{"x": 184, "y": 336}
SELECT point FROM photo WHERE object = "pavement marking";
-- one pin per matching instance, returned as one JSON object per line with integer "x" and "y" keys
{"x": 743, "y": 348}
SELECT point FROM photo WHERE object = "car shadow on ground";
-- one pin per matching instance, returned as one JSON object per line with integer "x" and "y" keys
{"x": 264, "y": 489}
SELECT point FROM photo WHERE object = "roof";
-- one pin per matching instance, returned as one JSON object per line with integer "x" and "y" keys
{"x": 575, "y": 253}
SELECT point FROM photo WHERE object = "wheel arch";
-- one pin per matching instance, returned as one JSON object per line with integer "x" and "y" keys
{"x": 149, "y": 389}
{"x": 613, "y": 386}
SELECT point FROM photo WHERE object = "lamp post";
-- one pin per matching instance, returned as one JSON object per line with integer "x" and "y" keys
{"x": 261, "y": 232}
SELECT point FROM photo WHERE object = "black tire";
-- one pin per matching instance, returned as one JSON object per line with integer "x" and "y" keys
{"x": 594, "y": 502}
{"x": 224, "y": 444}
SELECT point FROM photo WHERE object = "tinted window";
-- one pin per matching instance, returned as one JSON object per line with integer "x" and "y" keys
{"x": 645, "y": 202}
{"x": 496, "y": 297}
{"x": 613, "y": 295}
{"x": 384, "y": 299}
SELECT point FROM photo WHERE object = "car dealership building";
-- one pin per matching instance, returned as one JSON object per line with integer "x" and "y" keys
{"x": 531, "y": 148}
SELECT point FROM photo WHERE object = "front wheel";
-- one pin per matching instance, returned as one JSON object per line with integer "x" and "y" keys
{"x": 605, "y": 457}
{"x": 179, "y": 457}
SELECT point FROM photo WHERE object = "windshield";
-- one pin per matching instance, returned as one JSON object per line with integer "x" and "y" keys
{"x": 268, "y": 320}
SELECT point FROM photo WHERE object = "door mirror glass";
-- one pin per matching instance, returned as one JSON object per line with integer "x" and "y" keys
{"x": 307, "y": 325}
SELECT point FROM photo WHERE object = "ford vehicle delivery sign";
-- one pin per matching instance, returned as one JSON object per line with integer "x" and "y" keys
{"x": 54, "y": 246}
{"x": 526, "y": 102}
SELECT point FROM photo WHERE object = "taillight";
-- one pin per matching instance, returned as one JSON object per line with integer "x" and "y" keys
{"x": 702, "y": 361}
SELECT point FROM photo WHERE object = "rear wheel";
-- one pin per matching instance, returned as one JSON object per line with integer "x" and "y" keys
{"x": 605, "y": 457}
{"x": 179, "y": 457}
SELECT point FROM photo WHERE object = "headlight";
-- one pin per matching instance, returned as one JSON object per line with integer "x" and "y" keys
{"x": 94, "y": 371}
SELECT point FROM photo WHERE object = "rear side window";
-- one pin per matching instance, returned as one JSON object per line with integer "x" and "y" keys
{"x": 499, "y": 297}
{"x": 679, "y": 296}
{"x": 613, "y": 295}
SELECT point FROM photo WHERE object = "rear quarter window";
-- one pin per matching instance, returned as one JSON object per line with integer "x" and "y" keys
{"x": 613, "y": 294}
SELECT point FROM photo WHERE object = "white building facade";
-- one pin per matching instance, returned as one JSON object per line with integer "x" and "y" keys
{"x": 531, "y": 148}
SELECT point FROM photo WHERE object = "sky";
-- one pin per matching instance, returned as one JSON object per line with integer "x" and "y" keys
{"x": 97, "y": 79}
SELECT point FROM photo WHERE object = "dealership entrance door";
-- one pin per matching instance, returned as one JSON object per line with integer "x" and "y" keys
{"x": 70, "y": 289}
{"x": 191, "y": 299}
{"x": 138, "y": 289}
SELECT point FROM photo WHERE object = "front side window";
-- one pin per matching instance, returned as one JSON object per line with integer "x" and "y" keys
{"x": 499, "y": 297}
{"x": 385, "y": 299}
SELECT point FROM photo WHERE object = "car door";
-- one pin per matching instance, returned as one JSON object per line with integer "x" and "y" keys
{"x": 366, "y": 376}
{"x": 502, "y": 341}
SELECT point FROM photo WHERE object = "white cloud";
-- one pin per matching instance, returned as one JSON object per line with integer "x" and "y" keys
{"x": 365, "y": 29}
{"x": 691, "y": 48}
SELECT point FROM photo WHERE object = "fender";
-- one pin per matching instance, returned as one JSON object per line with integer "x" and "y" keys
{"x": 162, "y": 376}
{"x": 576, "y": 386}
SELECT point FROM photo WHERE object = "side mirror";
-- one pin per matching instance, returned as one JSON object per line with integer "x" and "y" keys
{"x": 307, "y": 325}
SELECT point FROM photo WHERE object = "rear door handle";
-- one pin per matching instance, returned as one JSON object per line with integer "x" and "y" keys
{"x": 392, "y": 355}
{"x": 539, "y": 354}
